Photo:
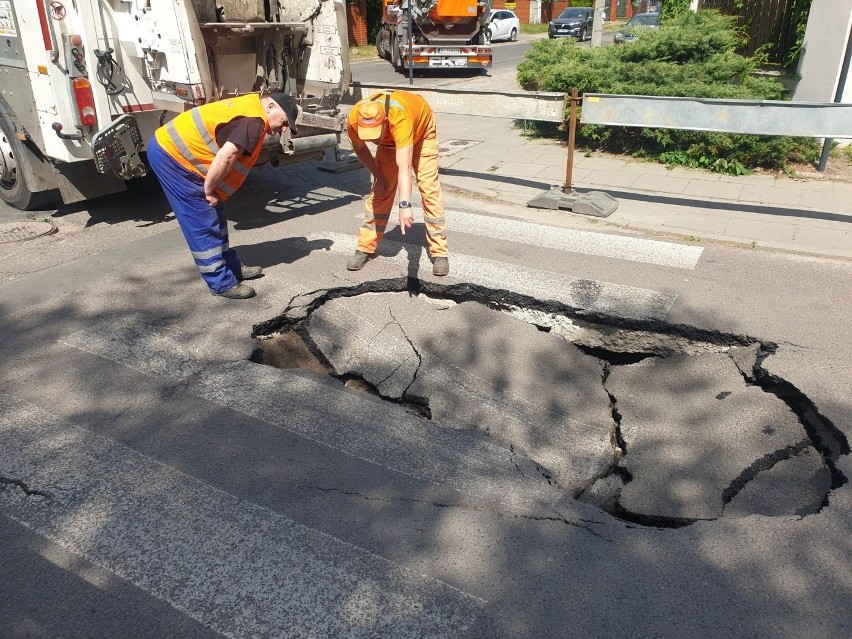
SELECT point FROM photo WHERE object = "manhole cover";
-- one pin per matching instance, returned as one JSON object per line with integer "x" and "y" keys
{"x": 20, "y": 231}
{"x": 449, "y": 147}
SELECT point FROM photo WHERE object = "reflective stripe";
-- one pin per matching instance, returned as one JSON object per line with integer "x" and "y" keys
{"x": 240, "y": 168}
{"x": 206, "y": 255}
{"x": 435, "y": 220}
{"x": 211, "y": 268}
{"x": 435, "y": 233}
{"x": 203, "y": 132}
{"x": 227, "y": 189}
{"x": 183, "y": 149}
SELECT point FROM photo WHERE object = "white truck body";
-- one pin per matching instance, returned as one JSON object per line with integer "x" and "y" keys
{"x": 145, "y": 61}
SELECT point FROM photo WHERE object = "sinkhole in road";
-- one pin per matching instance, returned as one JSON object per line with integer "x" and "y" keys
{"x": 658, "y": 424}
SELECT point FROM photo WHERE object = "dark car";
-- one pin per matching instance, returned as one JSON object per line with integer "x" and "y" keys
{"x": 574, "y": 22}
{"x": 635, "y": 25}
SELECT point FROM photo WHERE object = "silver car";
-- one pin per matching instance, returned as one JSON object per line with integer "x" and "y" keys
{"x": 630, "y": 31}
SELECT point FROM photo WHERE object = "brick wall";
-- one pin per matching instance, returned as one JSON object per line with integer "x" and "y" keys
{"x": 550, "y": 10}
{"x": 356, "y": 19}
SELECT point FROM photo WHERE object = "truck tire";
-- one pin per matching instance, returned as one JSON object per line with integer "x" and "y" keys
{"x": 380, "y": 45}
{"x": 14, "y": 157}
{"x": 396, "y": 60}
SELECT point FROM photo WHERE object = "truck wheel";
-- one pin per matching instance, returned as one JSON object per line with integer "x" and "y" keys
{"x": 513, "y": 37}
{"x": 380, "y": 46}
{"x": 14, "y": 189}
{"x": 395, "y": 56}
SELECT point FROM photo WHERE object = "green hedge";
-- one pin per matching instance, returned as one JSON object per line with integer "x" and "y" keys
{"x": 689, "y": 55}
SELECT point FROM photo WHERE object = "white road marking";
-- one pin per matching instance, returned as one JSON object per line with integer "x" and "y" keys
{"x": 342, "y": 420}
{"x": 236, "y": 567}
{"x": 592, "y": 295}
{"x": 620, "y": 247}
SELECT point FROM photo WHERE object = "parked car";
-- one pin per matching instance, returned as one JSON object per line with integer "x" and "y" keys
{"x": 503, "y": 24}
{"x": 574, "y": 22}
{"x": 634, "y": 26}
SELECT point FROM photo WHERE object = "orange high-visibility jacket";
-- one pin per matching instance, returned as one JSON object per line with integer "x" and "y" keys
{"x": 190, "y": 139}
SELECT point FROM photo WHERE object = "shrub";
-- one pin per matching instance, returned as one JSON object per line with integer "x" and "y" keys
{"x": 689, "y": 55}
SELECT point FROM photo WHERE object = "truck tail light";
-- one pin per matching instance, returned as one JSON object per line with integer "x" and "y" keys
{"x": 85, "y": 101}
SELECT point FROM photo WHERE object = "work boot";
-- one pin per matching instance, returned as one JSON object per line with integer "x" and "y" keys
{"x": 249, "y": 272}
{"x": 440, "y": 266}
{"x": 237, "y": 292}
{"x": 357, "y": 261}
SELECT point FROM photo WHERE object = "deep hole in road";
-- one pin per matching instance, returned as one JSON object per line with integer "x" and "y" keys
{"x": 658, "y": 424}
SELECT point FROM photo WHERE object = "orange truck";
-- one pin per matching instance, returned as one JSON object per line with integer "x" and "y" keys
{"x": 444, "y": 34}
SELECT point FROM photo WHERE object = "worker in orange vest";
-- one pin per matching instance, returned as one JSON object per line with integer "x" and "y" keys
{"x": 201, "y": 158}
{"x": 402, "y": 126}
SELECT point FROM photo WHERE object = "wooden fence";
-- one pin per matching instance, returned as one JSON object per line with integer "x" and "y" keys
{"x": 767, "y": 22}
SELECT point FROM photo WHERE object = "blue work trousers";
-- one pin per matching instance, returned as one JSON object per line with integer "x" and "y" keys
{"x": 204, "y": 227}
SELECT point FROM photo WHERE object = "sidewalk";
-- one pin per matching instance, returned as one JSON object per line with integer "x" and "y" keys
{"x": 491, "y": 158}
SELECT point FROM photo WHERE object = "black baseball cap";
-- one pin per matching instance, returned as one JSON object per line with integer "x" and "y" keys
{"x": 289, "y": 105}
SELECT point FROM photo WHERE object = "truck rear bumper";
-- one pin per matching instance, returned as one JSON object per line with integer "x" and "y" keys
{"x": 461, "y": 57}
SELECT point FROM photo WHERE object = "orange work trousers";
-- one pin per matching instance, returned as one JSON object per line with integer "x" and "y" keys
{"x": 378, "y": 206}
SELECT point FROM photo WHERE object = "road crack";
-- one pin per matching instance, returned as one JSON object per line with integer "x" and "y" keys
{"x": 582, "y": 524}
{"x": 29, "y": 492}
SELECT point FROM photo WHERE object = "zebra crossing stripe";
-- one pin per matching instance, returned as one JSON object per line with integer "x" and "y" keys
{"x": 238, "y": 568}
{"x": 593, "y": 295}
{"x": 350, "y": 423}
{"x": 623, "y": 247}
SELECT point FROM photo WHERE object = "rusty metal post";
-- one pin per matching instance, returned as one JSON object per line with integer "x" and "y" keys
{"x": 572, "y": 133}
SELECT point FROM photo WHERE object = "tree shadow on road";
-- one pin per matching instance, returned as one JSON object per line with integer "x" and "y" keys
{"x": 534, "y": 576}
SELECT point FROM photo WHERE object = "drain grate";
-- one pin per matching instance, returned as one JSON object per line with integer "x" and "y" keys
{"x": 20, "y": 231}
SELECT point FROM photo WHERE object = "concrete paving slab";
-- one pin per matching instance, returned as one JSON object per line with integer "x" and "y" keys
{"x": 663, "y": 183}
{"x": 646, "y": 169}
{"x": 826, "y": 200}
{"x": 808, "y": 237}
{"x": 517, "y": 168}
{"x": 759, "y": 231}
{"x": 598, "y": 178}
{"x": 772, "y": 194}
{"x": 756, "y": 178}
{"x": 697, "y": 222}
{"x": 599, "y": 163}
{"x": 556, "y": 173}
{"x": 718, "y": 190}
{"x": 692, "y": 428}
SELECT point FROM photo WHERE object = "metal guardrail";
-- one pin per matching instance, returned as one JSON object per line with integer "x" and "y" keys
{"x": 762, "y": 117}
{"x": 512, "y": 105}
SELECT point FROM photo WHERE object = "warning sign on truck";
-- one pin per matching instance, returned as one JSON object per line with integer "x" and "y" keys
{"x": 7, "y": 20}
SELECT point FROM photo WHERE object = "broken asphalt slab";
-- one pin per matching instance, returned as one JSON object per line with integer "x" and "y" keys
{"x": 477, "y": 369}
{"x": 695, "y": 433}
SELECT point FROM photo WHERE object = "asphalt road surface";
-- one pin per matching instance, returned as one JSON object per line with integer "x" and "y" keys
{"x": 158, "y": 481}
{"x": 578, "y": 433}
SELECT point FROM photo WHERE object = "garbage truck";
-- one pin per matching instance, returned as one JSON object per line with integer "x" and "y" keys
{"x": 435, "y": 34}
{"x": 85, "y": 83}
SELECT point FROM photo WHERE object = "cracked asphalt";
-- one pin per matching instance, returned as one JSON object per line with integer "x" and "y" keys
{"x": 157, "y": 480}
